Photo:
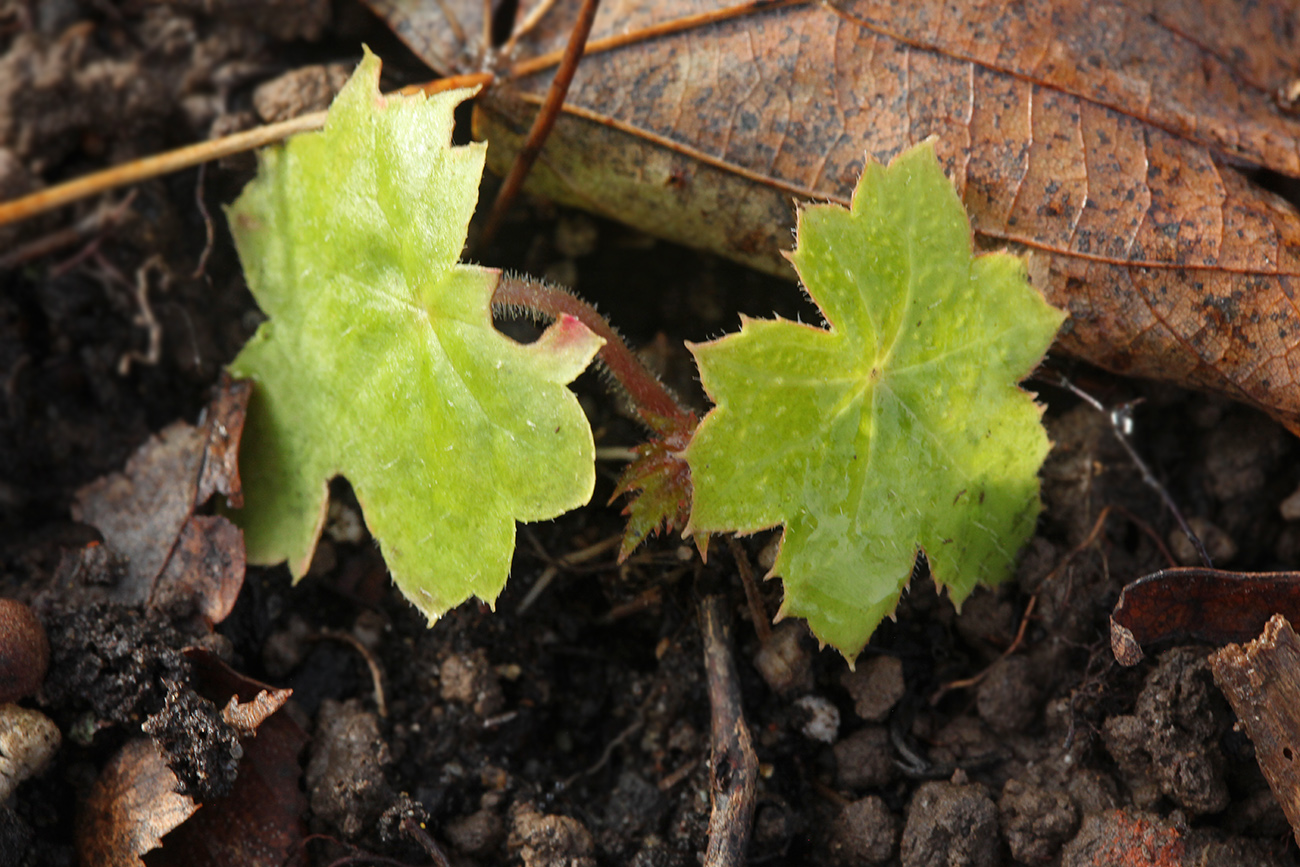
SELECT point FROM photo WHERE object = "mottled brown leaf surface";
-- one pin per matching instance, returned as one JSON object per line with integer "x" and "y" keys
{"x": 146, "y": 513}
{"x": 1100, "y": 138}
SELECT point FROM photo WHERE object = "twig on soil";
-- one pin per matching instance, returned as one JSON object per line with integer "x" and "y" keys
{"x": 554, "y": 566}
{"x": 733, "y": 768}
{"x": 192, "y": 155}
{"x": 974, "y": 680}
{"x": 757, "y": 612}
{"x": 416, "y": 832}
{"x": 1121, "y": 424}
{"x": 608, "y": 752}
{"x": 678, "y": 775}
{"x": 97, "y": 222}
{"x": 543, "y": 122}
{"x": 1096, "y": 530}
{"x": 376, "y": 673}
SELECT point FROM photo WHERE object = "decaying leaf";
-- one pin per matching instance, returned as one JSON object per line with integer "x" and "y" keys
{"x": 898, "y": 427}
{"x": 1210, "y": 605}
{"x": 134, "y": 809}
{"x": 260, "y": 823}
{"x": 380, "y": 361}
{"x": 133, "y": 803}
{"x": 1103, "y": 138}
{"x": 147, "y": 512}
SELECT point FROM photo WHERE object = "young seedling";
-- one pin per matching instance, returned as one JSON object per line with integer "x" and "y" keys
{"x": 896, "y": 429}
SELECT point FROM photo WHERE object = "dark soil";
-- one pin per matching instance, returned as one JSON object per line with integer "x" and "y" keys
{"x": 573, "y": 729}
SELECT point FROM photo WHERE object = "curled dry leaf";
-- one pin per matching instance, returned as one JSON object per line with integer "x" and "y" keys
{"x": 1102, "y": 138}
{"x": 147, "y": 512}
{"x": 133, "y": 803}
{"x": 1196, "y": 604}
{"x": 133, "y": 808}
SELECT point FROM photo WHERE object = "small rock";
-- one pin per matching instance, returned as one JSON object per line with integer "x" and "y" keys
{"x": 1290, "y": 507}
{"x": 576, "y": 235}
{"x": 988, "y": 620}
{"x": 865, "y": 832}
{"x": 876, "y": 686}
{"x": 823, "y": 718}
{"x": 468, "y": 678}
{"x": 549, "y": 841}
{"x": 1218, "y": 544}
{"x": 950, "y": 825}
{"x": 1008, "y": 697}
{"x": 1240, "y": 456}
{"x": 476, "y": 834}
{"x": 1036, "y": 822}
{"x": 299, "y": 91}
{"x": 345, "y": 776}
{"x": 864, "y": 759}
{"x": 1171, "y": 743}
{"x": 284, "y": 650}
{"x": 1118, "y": 837}
{"x": 28, "y": 740}
{"x": 784, "y": 661}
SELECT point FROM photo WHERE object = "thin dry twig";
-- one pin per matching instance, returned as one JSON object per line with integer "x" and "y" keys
{"x": 376, "y": 672}
{"x": 757, "y": 611}
{"x": 554, "y": 566}
{"x": 196, "y": 154}
{"x": 545, "y": 119}
{"x": 733, "y": 768}
{"x": 416, "y": 832}
{"x": 1121, "y": 424}
{"x": 94, "y": 225}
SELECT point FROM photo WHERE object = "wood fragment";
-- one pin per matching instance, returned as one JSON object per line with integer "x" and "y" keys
{"x": 192, "y": 155}
{"x": 1262, "y": 682}
{"x": 733, "y": 768}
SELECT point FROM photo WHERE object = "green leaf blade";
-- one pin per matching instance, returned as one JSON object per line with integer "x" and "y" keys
{"x": 900, "y": 427}
{"x": 380, "y": 361}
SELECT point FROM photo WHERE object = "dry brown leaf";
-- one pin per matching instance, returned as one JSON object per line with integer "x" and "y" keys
{"x": 246, "y": 716}
{"x": 146, "y": 513}
{"x": 133, "y": 803}
{"x": 133, "y": 808}
{"x": 260, "y": 823}
{"x": 1098, "y": 137}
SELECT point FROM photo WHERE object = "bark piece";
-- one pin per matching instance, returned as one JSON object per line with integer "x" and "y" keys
{"x": 1262, "y": 682}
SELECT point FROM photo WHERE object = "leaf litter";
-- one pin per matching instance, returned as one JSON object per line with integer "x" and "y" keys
{"x": 932, "y": 629}
{"x": 1110, "y": 141}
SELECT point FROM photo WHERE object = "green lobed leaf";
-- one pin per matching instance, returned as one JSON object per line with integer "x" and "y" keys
{"x": 379, "y": 361}
{"x": 899, "y": 427}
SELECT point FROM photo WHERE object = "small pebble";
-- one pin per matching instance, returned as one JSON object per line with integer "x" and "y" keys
{"x": 1218, "y": 544}
{"x": 1290, "y": 507}
{"x": 876, "y": 686}
{"x": 823, "y": 723}
{"x": 28, "y": 740}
